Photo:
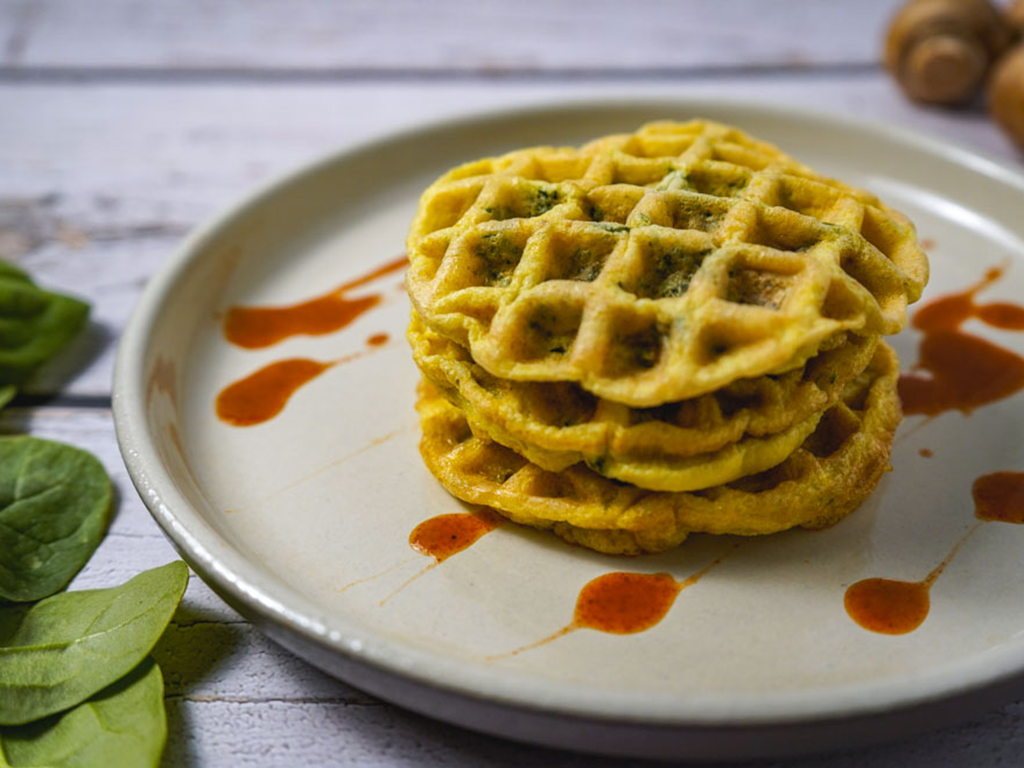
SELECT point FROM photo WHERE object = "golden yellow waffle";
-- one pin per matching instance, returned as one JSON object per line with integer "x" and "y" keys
{"x": 678, "y": 447}
{"x": 658, "y": 266}
{"x": 824, "y": 480}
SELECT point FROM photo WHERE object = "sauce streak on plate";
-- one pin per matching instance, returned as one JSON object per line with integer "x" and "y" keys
{"x": 443, "y": 536}
{"x": 625, "y": 603}
{"x": 446, "y": 535}
{"x": 958, "y": 370}
{"x": 262, "y": 395}
{"x": 896, "y": 607}
{"x": 955, "y": 371}
{"x": 257, "y": 327}
{"x": 889, "y": 606}
{"x": 621, "y": 603}
{"x": 999, "y": 496}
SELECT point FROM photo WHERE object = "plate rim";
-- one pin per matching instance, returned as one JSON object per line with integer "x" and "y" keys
{"x": 269, "y": 600}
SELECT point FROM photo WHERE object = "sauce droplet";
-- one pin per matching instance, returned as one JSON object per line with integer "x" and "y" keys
{"x": 256, "y": 327}
{"x": 963, "y": 371}
{"x": 621, "y": 603}
{"x": 625, "y": 603}
{"x": 999, "y": 496}
{"x": 888, "y": 606}
{"x": 262, "y": 395}
{"x": 378, "y": 339}
{"x": 892, "y": 607}
{"x": 446, "y": 535}
{"x": 926, "y": 453}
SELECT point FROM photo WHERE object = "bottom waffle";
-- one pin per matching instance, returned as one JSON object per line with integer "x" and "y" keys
{"x": 825, "y": 479}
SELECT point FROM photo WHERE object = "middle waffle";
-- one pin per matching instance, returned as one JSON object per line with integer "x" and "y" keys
{"x": 743, "y": 428}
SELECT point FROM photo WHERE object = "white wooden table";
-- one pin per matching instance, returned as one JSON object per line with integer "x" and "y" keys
{"x": 124, "y": 123}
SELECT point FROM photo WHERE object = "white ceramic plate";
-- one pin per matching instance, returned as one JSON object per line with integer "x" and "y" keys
{"x": 758, "y": 658}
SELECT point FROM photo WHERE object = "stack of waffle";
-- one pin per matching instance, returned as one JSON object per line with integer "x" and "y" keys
{"x": 658, "y": 333}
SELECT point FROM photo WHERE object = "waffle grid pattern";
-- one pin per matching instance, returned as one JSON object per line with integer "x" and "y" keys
{"x": 658, "y": 266}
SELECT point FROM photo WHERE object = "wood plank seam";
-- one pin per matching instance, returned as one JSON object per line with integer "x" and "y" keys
{"x": 246, "y": 700}
{"x": 27, "y": 401}
{"x": 60, "y": 75}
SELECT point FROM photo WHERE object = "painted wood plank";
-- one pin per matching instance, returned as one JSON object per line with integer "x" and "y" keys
{"x": 486, "y": 36}
{"x": 273, "y": 734}
{"x": 99, "y": 183}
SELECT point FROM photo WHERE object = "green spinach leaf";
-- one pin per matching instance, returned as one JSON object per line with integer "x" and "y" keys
{"x": 54, "y": 504}
{"x": 61, "y": 651}
{"x": 123, "y": 725}
{"x": 7, "y": 394}
{"x": 34, "y": 324}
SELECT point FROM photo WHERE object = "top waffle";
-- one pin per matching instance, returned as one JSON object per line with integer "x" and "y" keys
{"x": 656, "y": 266}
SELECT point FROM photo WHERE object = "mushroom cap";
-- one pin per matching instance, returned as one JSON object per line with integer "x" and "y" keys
{"x": 940, "y": 50}
{"x": 1006, "y": 94}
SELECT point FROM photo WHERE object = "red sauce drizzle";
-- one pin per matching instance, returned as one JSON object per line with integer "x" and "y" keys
{"x": 896, "y": 607}
{"x": 964, "y": 371}
{"x": 256, "y": 327}
{"x": 446, "y": 535}
{"x": 624, "y": 603}
{"x": 999, "y": 496}
{"x": 621, "y": 603}
{"x": 893, "y": 607}
{"x": 263, "y": 394}
{"x": 888, "y": 606}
